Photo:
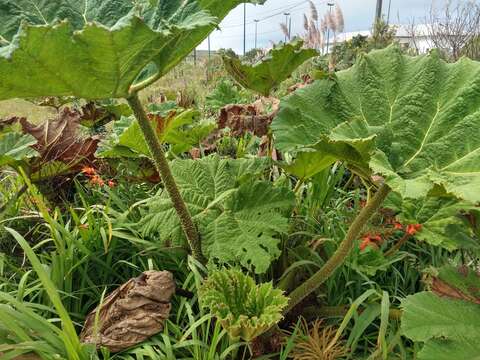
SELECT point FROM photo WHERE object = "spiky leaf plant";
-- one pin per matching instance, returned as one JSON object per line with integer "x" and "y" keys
{"x": 318, "y": 342}
{"x": 244, "y": 309}
{"x": 268, "y": 73}
{"x": 447, "y": 318}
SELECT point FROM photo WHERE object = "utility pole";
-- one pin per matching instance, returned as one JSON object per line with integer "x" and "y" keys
{"x": 256, "y": 32}
{"x": 209, "y": 58}
{"x": 287, "y": 14}
{"x": 244, "y": 28}
{"x": 330, "y": 5}
{"x": 290, "y": 29}
{"x": 195, "y": 57}
{"x": 378, "y": 12}
{"x": 209, "y": 49}
{"x": 389, "y": 8}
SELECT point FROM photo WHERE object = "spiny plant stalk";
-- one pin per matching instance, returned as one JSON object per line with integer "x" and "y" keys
{"x": 342, "y": 252}
{"x": 163, "y": 168}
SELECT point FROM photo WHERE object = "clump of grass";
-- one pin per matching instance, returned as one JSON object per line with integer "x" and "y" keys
{"x": 318, "y": 342}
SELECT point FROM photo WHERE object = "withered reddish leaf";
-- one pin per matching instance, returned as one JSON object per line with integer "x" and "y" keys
{"x": 132, "y": 313}
{"x": 160, "y": 122}
{"x": 58, "y": 139}
{"x": 461, "y": 284}
{"x": 248, "y": 118}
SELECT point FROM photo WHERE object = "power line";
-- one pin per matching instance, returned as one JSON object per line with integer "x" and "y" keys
{"x": 240, "y": 36}
{"x": 279, "y": 12}
{"x": 281, "y": 9}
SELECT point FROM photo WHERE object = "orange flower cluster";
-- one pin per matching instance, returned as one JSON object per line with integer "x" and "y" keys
{"x": 96, "y": 179}
{"x": 371, "y": 240}
{"x": 376, "y": 240}
{"x": 412, "y": 229}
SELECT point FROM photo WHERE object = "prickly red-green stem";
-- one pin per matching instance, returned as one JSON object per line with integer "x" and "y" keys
{"x": 394, "y": 249}
{"x": 163, "y": 168}
{"x": 341, "y": 253}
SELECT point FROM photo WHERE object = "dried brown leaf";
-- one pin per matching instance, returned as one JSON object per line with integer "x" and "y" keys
{"x": 58, "y": 139}
{"x": 131, "y": 314}
{"x": 248, "y": 118}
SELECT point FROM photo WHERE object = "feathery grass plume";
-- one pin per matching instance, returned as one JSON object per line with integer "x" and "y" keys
{"x": 339, "y": 20}
{"x": 284, "y": 28}
{"x": 331, "y": 23}
{"x": 313, "y": 10}
{"x": 313, "y": 35}
{"x": 323, "y": 25}
{"x": 319, "y": 39}
{"x": 305, "y": 22}
{"x": 318, "y": 342}
{"x": 326, "y": 22}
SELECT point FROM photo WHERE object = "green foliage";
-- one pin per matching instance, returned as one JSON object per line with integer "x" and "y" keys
{"x": 307, "y": 165}
{"x": 371, "y": 261}
{"x": 19, "y": 319}
{"x": 408, "y": 119}
{"x": 441, "y": 220}
{"x": 238, "y": 216}
{"x": 118, "y": 39}
{"x": 15, "y": 147}
{"x": 347, "y": 52}
{"x": 472, "y": 48}
{"x": 267, "y": 74}
{"x": 244, "y": 309}
{"x": 448, "y": 325}
{"x": 383, "y": 35}
{"x": 188, "y": 135}
{"x": 182, "y": 130}
{"x": 225, "y": 93}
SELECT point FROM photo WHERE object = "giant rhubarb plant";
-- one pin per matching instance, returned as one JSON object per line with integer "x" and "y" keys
{"x": 98, "y": 50}
{"x": 411, "y": 120}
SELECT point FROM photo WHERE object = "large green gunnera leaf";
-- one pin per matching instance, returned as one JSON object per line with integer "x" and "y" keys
{"x": 96, "y": 49}
{"x": 412, "y": 120}
{"x": 447, "y": 319}
{"x": 238, "y": 216}
{"x": 268, "y": 73}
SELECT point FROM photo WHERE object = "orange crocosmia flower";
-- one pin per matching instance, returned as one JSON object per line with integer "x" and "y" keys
{"x": 365, "y": 242}
{"x": 97, "y": 180}
{"x": 412, "y": 229}
{"x": 88, "y": 170}
{"x": 397, "y": 226}
{"x": 112, "y": 183}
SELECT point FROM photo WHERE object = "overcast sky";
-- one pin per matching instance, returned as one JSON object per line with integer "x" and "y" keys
{"x": 358, "y": 15}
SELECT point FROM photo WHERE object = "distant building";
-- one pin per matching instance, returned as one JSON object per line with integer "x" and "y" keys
{"x": 415, "y": 37}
